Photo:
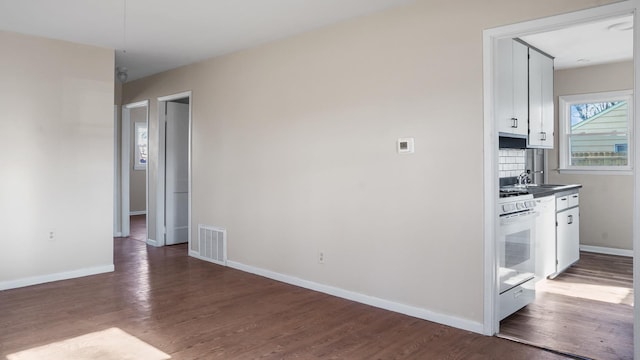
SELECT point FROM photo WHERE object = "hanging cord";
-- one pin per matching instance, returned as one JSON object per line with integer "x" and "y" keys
{"x": 124, "y": 26}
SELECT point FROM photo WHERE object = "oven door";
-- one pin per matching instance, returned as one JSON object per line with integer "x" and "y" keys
{"x": 516, "y": 249}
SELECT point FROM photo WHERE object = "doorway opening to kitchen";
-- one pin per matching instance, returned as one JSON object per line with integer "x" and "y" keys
{"x": 601, "y": 280}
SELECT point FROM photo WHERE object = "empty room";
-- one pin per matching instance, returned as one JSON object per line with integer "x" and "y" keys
{"x": 302, "y": 179}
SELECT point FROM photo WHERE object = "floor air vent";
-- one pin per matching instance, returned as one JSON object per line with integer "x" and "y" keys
{"x": 211, "y": 245}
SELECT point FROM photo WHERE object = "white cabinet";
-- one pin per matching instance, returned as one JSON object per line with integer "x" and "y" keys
{"x": 512, "y": 98}
{"x": 545, "y": 236}
{"x": 541, "y": 122}
{"x": 567, "y": 231}
{"x": 524, "y": 94}
{"x": 567, "y": 201}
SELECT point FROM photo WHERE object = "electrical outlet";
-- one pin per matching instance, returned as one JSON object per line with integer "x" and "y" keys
{"x": 321, "y": 257}
{"x": 52, "y": 235}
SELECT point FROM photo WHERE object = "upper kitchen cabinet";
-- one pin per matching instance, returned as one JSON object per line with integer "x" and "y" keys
{"x": 512, "y": 88}
{"x": 541, "y": 123}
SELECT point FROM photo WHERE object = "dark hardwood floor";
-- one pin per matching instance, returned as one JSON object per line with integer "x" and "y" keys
{"x": 138, "y": 227}
{"x": 191, "y": 309}
{"x": 587, "y": 310}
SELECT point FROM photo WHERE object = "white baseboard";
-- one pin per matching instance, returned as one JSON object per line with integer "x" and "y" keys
{"x": 117, "y": 234}
{"x": 139, "y": 212}
{"x": 364, "y": 299}
{"x": 152, "y": 243}
{"x": 35, "y": 280}
{"x": 606, "y": 250}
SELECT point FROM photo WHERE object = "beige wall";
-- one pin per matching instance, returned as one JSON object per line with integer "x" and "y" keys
{"x": 56, "y": 155}
{"x": 137, "y": 178}
{"x": 294, "y": 151}
{"x": 606, "y": 201}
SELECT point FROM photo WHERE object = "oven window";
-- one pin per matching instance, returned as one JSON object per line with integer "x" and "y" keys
{"x": 517, "y": 249}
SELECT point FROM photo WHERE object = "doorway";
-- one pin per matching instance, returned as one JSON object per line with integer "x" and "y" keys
{"x": 134, "y": 176}
{"x": 492, "y": 325}
{"x": 174, "y": 169}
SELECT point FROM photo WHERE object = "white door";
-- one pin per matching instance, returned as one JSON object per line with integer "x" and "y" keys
{"x": 177, "y": 173}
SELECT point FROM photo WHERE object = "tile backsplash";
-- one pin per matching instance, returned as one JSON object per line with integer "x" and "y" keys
{"x": 511, "y": 162}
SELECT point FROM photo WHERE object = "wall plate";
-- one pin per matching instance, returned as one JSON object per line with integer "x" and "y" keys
{"x": 405, "y": 146}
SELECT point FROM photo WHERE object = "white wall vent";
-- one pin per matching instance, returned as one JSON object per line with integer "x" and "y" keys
{"x": 211, "y": 245}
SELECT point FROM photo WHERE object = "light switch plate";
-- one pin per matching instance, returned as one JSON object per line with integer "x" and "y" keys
{"x": 405, "y": 146}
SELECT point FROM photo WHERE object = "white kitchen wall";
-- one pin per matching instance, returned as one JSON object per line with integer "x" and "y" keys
{"x": 511, "y": 162}
{"x": 606, "y": 201}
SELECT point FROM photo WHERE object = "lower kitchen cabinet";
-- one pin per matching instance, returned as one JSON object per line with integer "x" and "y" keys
{"x": 567, "y": 234}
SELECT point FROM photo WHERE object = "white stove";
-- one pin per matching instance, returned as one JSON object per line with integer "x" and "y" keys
{"x": 516, "y": 250}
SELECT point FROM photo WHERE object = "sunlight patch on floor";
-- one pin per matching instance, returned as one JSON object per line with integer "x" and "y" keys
{"x": 604, "y": 293}
{"x": 110, "y": 344}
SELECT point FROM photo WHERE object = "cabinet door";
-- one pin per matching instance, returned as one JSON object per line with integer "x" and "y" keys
{"x": 548, "y": 122}
{"x": 567, "y": 238}
{"x": 541, "y": 124}
{"x": 512, "y": 88}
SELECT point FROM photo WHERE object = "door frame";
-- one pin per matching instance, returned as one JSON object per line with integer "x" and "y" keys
{"x": 490, "y": 175}
{"x": 116, "y": 173}
{"x": 160, "y": 189}
{"x": 125, "y": 162}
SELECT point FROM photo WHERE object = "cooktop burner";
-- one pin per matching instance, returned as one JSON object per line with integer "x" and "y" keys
{"x": 512, "y": 192}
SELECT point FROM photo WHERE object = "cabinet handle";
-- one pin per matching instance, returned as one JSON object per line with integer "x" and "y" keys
{"x": 570, "y": 219}
{"x": 543, "y": 136}
{"x": 517, "y": 293}
{"x": 574, "y": 196}
{"x": 514, "y": 122}
{"x": 563, "y": 199}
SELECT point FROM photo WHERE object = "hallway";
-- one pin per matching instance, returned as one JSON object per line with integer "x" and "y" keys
{"x": 138, "y": 228}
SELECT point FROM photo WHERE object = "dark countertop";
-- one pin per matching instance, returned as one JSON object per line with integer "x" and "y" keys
{"x": 539, "y": 191}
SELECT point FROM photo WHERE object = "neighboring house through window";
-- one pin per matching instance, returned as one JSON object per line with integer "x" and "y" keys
{"x": 596, "y": 131}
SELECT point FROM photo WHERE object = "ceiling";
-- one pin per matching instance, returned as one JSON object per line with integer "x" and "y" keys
{"x": 151, "y": 36}
{"x": 600, "y": 42}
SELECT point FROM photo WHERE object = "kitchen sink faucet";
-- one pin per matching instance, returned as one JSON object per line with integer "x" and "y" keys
{"x": 523, "y": 179}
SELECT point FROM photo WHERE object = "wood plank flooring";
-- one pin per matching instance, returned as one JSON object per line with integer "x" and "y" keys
{"x": 138, "y": 227}
{"x": 191, "y": 309}
{"x": 587, "y": 310}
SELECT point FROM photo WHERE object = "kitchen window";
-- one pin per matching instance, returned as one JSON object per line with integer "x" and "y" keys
{"x": 596, "y": 132}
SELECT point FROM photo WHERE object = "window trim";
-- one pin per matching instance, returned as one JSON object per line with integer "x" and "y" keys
{"x": 564, "y": 124}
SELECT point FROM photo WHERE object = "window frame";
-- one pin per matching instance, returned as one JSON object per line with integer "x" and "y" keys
{"x": 564, "y": 122}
